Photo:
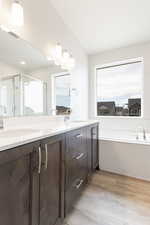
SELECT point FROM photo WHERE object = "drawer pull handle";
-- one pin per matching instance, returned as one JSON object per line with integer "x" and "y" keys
{"x": 79, "y": 185}
{"x": 46, "y": 157}
{"x": 40, "y": 160}
{"x": 79, "y": 135}
{"x": 80, "y": 156}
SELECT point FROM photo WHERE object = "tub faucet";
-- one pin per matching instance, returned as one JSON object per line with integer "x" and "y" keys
{"x": 144, "y": 134}
{"x": 1, "y": 123}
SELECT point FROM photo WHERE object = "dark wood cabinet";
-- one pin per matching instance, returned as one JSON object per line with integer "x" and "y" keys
{"x": 16, "y": 186}
{"x": 39, "y": 182}
{"x": 52, "y": 181}
{"x": 75, "y": 143}
{"x": 76, "y": 165}
{"x": 94, "y": 147}
{"x": 76, "y": 155}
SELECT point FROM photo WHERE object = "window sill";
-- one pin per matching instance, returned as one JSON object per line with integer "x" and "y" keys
{"x": 119, "y": 117}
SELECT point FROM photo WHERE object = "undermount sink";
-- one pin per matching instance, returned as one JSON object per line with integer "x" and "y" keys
{"x": 17, "y": 132}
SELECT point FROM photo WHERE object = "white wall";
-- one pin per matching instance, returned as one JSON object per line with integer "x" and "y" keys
{"x": 43, "y": 29}
{"x": 7, "y": 70}
{"x": 123, "y": 158}
{"x": 135, "y": 51}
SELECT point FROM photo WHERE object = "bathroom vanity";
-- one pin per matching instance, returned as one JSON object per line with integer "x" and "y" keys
{"x": 41, "y": 180}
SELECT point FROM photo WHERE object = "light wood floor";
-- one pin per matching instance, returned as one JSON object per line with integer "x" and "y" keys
{"x": 112, "y": 200}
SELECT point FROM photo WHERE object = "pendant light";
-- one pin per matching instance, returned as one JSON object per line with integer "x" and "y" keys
{"x": 57, "y": 54}
{"x": 17, "y": 14}
{"x": 71, "y": 63}
{"x": 62, "y": 58}
{"x": 65, "y": 59}
{"x": 68, "y": 62}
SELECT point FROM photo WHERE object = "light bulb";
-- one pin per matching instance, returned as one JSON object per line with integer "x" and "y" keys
{"x": 57, "y": 54}
{"x": 68, "y": 62}
{"x": 58, "y": 51}
{"x": 17, "y": 15}
{"x": 66, "y": 55}
{"x": 64, "y": 67}
{"x": 71, "y": 62}
{"x": 65, "y": 59}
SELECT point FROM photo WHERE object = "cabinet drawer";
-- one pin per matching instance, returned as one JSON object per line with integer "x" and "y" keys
{"x": 73, "y": 193}
{"x": 76, "y": 169}
{"x": 76, "y": 143}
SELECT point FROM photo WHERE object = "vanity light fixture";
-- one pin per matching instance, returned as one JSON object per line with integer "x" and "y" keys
{"x": 17, "y": 14}
{"x": 58, "y": 51}
{"x": 71, "y": 63}
{"x": 68, "y": 62}
{"x": 62, "y": 58}
{"x": 66, "y": 55}
{"x": 57, "y": 54}
{"x": 65, "y": 59}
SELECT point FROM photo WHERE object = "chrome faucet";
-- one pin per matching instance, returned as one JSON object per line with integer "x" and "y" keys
{"x": 66, "y": 118}
{"x": 141, "y": 133}
{"x": 1, "y": 123}
{"x": 54, "y": 111}
{"x": 144, "y": 134}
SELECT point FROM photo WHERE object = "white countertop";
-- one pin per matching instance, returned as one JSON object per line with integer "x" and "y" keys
{"x": 16, "y": 136}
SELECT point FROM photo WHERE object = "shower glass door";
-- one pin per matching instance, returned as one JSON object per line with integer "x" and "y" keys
{"x": 7, "y": 97}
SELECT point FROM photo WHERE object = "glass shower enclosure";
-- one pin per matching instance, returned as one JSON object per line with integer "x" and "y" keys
{"x": 22, "y": 95}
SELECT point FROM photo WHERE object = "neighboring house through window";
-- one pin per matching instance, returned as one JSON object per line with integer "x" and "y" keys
{"x": 119, "y": 89}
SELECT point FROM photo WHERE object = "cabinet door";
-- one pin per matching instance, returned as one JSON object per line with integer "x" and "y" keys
{"x": 16, "y": 179}
{"x": 95, "y": 149}
{"x": 52, "y": 181}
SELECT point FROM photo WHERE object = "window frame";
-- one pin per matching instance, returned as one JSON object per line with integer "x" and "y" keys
{"x": 118, "y": 63}
{"x": 53, "y": 88}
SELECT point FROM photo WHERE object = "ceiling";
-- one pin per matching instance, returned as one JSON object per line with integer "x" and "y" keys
{"x": 102, "y": 25}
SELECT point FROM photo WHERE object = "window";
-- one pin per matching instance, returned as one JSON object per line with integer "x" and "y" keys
{"x": 119, "y": 89}
{"x": 62, "y": 98}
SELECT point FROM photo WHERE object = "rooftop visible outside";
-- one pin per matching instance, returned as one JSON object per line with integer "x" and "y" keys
{"x": 119, "y": 90}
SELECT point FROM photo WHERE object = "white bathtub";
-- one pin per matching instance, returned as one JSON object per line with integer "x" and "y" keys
{"x": 121, "y": 153}
{"x": 125, "y": 136}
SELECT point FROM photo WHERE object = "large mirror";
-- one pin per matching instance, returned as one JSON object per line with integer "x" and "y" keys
{"x": 24, "y": 80}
